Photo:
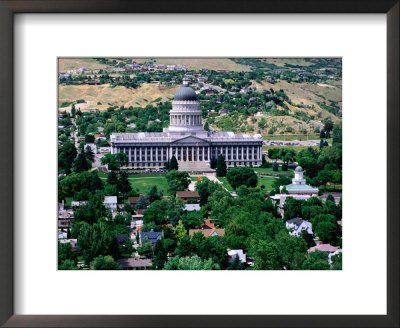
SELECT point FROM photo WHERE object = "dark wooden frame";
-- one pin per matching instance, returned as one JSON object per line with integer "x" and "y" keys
{"x": 7, "y": 10}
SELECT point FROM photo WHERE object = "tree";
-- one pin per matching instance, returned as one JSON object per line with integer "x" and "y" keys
{"x": 146, "y": 249}
{"x": 221, "y": 166}
{"x": 82, "y": 195}
{"x": 95, "y": 182}
{"x": 291, "y": 250}
{"x": 180, "y": 231}
{"x": 89, "y": 138}
{"x": 236, "y": 264}
{"x": 73, "y": 110}
{"x": 275, "y": 166}
{"x": 326, "y": 231}
{"x": 192, "y": 219}
{"x": 265, "y": 255}
{"x": 104, "y": 263}
{"x": 284, "y": 167}
{"x": 89, "y": 153}
{"x": 323, "y": 177}
{"x": 67, "y": 265}
{"x": 173, "y": 164}
{"x": 115, "y": 161}
{"x": 66, "y": 157}
{"x": 81, "y": 163}
{"x": 95, "y": 240}
{"x": 336, "y": 135}
{"x": 316, "y": 261}
{"x": 142, "y": 203}
{"x": 206, "y": 126}
{"x": 112, "y": 178}
{"x": 330, "y": 197}
{"x": 153, "y": 194}
{"x": 93, "y": 210}
{"x": 177, "y": 180}
{"x": 65, "y": 252}
{"x": 238, "y": 176}
{"x": 160, "y": 255}
{"x": 322, "y": 134}
{"x": 123, "y": 185}
{"x": 190, "y": 263}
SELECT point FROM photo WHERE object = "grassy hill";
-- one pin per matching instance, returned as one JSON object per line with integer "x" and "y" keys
{"x": 117, "y": 96}
{"x": 65, "y": 64}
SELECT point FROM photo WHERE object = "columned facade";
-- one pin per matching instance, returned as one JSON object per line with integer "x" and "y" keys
{"x": 185, "y": 138}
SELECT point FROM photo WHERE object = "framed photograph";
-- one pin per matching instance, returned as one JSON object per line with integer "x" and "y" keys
{"x": 156, "y": 151}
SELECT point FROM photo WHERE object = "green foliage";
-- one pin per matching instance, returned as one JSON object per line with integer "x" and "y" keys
{"x": 177, "y": 181}
{"x": 142, "y": 203}
{"x": 180, "y": 231}
{"x": 190, "y": 263}
{"x": 221, "y": 166}
{"x": 123, "y": 185}
{"x": 93, "y": 210}
{"x": 67, "y": 265}
{"x": 65, "y": 252}
{"x": 238, "y": 176}
{"x": 326, "y": 231}
{"x": 104, "y": 263}
{"x": 173, "y": 163}
{"x": 66, "y": 156}
{"x": 153, "y": 194}
{"x": 95, "y": 240}
{"x": 275, "y": 166}
{"x": 265, "y": 255}
{"x": 81, "y": 163}
{"x": 316, "y": 261}
{"x": 89, "y": 153}
{"x": 114, "y": 161}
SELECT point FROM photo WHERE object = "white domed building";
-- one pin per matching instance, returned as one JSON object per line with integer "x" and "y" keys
{"x": 186, "y": 139}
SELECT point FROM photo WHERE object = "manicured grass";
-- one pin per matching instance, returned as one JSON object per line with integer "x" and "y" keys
{"x": 270, "y": 170}
{"x": 264, "y": 181}
{"x": 297, "y": 148}
{"x": 142, "y": 181}
{"x": 292, "y": 137}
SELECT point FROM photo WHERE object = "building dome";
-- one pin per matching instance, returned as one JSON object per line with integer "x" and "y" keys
{"x": 298, "y": 169}
{"x": 185, "y": 93}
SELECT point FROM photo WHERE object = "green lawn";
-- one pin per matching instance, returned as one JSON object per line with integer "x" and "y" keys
{"x": 265, "y": 181}
{"x": 292, "y": 137}
{"x": 269, "y": 170}
{"x": 143, "y": 181}
{"x": 296, "y": 148}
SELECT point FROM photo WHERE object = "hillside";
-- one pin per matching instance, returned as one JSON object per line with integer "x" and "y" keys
{"x": 117, "y": 96}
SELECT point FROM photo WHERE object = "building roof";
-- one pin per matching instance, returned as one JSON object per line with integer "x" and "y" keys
{"x": 298, "y": 169}
{"x": 208, "y": 232}
{"x": 239, "y": 253}
{"x": 133, "y": 199}
{"x": 208, "y": 224}
{"x": 134, "y": 263}
{"x": 185, "y": 93}
{"x": 110, "y": 199}
{"x": 122, "y": 237}
{"x": 193, "y": 194}
{"x": 191, "y": 207}
{"x": 152, "y": 236}
{"x": 301, "y": 187}
{"x": 297, "y": 221}
{"x": 323, "y": 248}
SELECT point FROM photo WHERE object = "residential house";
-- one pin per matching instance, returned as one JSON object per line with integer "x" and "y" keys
{"x": 110, "y": 202}
{"x": 152, "y": 236}
{"x": 134, "y": 264}
{"x": 188, "y": 195}
{"x": 191, "y": 207}
{"x": 298, "y": 226}
{"x": 133, "y": 200}
{"x": 207, "y": 224}
{"x": 236, "y": 252}
{"x": 323, "y": 248}
{"x": 208, "y": 232}
{"x": 72, "y": 242}
{"x": 122, "y": 237}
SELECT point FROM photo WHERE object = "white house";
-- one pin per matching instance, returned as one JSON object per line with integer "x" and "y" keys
{"x": 72, "y": 242}
{"x": 299, "y": 226}
{"x": 110, "y": 202}
{"x": 191, "y": 207}
{"x": 237, "y": 252}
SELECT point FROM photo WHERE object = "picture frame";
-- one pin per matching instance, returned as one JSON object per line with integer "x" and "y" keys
{"x": 8, "y": 200}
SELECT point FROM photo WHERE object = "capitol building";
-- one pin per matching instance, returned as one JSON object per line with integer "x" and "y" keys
{"x": 185, "y": 138}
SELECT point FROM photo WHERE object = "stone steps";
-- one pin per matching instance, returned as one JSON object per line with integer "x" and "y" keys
{"x": 194, "y": 166}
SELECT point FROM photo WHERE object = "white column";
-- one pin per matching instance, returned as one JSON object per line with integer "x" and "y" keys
{"x": 130, "y": 156}
{"x": 252, "y": 152}
{"x": 187, "y": 153}
{"x": 135, "y": 155}
{"x": 247, "y": 153}
{"x": 140, "y": 154}
{"x": 242, "y": 153}
{"x": 198, "y": 153}
{"x": 208, "y": 153}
